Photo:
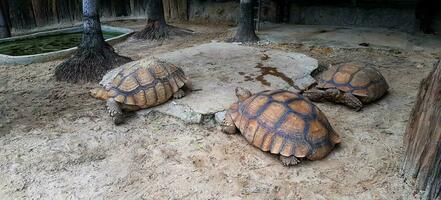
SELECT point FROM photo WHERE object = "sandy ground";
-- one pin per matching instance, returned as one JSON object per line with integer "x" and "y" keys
{"x": 58, "y": 143}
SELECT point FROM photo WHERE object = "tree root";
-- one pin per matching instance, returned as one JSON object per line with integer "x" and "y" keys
{"x": 89, "y": 64}
{"x": 243, "y": 37}
{"x": 155, "y": 30}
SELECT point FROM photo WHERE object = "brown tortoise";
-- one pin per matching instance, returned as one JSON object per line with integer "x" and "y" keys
{"x": 140, "y": 85}
{"x": 281, "y": 122}
{"x": 351, "y": 84}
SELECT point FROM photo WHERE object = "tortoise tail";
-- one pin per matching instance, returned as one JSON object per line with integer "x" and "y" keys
{"x": 99, "y": 93}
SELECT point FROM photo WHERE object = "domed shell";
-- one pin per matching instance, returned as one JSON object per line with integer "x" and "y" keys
{"x": 362, "y": 81}
{"x": 146, "y": 83}
{"x": 285, "y": 123}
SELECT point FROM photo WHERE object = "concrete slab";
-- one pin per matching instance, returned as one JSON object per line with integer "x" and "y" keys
{"x": 349, "y": 37}
{"x": 216, "y": 69}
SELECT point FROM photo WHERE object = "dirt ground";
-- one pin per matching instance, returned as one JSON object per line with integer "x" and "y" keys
{"x": 56, "y": 142}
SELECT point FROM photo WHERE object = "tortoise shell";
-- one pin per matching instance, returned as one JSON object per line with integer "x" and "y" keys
{"x": 284, "y": 123}
{"x": 365, "y": 82}
{"x": 146, "y": 83}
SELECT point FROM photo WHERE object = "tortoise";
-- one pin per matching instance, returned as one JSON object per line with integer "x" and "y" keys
{"x": 352, "y": 84}
{"x": 141, "y": 85}
{"x": 281, "y": 122}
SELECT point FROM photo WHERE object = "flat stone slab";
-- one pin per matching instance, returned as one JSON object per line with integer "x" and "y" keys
{"x": 216, "y": 69}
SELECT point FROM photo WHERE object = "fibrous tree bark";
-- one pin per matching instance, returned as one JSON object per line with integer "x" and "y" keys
{"x": 5, "y": 22}
{"x": 422, "y": 161}
{"x": 157, "y": 28}
{"x": 245, "y": 31}
{"x": 94, "y": 56}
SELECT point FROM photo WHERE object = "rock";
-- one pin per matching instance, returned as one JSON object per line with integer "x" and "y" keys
{"x": 220, "y": 116}
{"x": 305, "y": 82}
{"x": 230, "y": 65}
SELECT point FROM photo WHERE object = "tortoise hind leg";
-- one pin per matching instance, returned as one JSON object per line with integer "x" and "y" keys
{"x": 289, "y": 161}
{"x": 115, "y": 111}
{"x": 228, "y": 126}
{"x": 351, "y": 101}
{"x": 179, "y": 94}
{"x": 188, "y": 87}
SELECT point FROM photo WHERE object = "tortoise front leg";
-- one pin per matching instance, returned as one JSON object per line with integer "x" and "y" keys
{"x": 228, "y": 126}
{"x": 289, "y": 161}
{"x": 315, "y": 95}
{"x": 344, "y": 98}
{"x": 115, "y": 111}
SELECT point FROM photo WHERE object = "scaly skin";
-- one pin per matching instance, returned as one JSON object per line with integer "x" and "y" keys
{"x": 228, "y": 126}
{"x": 179, "y": 94}
{"x": 289, "y": 161}
{"x": 228, "y": 123}
{"x": 115, "y": 111}
{"x": 334, "y": 95}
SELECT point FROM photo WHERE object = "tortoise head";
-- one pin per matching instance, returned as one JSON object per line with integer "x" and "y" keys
{"x": 242, "y": 93}
{"x": 99, "y": 93}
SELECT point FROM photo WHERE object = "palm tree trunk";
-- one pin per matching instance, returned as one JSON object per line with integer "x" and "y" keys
{"x": 156, "y": 27}
{"x": 245, "y": 32}
{"x": 94, "y": 56}
{"x": 92, "y": 35}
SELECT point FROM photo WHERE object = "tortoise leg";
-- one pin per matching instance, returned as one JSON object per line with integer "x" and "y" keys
{"x": 332, "y": 94}
{"x": 289, "y": 161}
{"x": 188, "y": 85}
{"x": 228, "y": 126}
{"x": 344, "y": 98}
{"x": 315, "y": 95}
{"x": 179, "y": 94}
{"x": 351, "y": 101}
{"x": 114, "y": 111}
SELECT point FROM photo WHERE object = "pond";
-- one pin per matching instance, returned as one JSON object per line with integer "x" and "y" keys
{"x": 45, "y": 44}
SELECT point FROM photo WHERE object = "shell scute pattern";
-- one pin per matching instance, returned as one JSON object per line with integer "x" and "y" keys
{"x": 365, "y": 82}
{"x": 140, "y": 98}
{"x": 293, "y": 123}
{"x": 284, "y": 123}
{"x": 144, "y": 77}
{"x": 146, "y": 84}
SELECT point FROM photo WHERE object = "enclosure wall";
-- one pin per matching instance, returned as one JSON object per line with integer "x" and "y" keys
{"x": 399, "y": 14}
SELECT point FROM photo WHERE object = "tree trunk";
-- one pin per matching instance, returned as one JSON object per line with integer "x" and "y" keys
{"x": 423, "y": 137}
{"x": 245, "y": 32}
{"x": 93, "y": 35}
{"x": 156, "y": 27}
{"x": 5, "y": 22}
{"x": 94, "y": 56}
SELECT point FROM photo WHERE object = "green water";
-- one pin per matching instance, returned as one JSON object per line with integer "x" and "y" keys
{"x": 45, "y": 44}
